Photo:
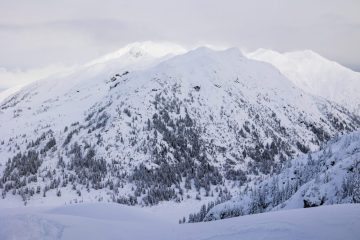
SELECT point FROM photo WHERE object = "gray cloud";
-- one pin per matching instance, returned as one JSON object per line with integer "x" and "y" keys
{"x": 40, "y": 33}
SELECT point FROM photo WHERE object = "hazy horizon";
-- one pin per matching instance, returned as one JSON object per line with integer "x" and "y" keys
{"x": 40, "y": 35}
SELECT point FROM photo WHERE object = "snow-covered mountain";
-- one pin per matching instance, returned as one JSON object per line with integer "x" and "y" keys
{"x": 141, "y": 54}
{"x": 139, "y": 128}
{"x": 326, "y": 177}
{"x": 316, "y": 75}
{"x": 140, "y": 50}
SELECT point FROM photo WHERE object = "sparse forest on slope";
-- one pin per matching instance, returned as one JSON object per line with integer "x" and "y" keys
{"x": 329, "y": 176}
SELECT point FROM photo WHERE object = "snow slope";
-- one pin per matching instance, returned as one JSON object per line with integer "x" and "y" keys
{"x": 112, "y": 221}
{"x": 147, "y": 49}
{"x": 317, "y": 75}
{"x": 141, "y": 54}
{"x": 9, "y": 91}
{"x": 73, "y": 92}
{"x": 149, "y": 129}
{"x": 329, "y": 176}
{"x": 17, "y": 77}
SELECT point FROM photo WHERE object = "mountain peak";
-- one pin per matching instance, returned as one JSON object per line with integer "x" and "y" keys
{"x": 205, "y": 55}
{"x": 315, "y": 74}
{"x": 298, "y": 55}
{"x": 143, "y": 49}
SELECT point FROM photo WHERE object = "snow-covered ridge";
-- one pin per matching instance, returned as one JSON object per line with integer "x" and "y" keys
{"x": 141, "y": 54}
{"x": 329, "y": 176}
{"x": 141, "y": 49}
{"x": 316, "y": 75}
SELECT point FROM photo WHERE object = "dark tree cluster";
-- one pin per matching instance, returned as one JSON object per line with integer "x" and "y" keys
{"x": 22, "y": 165}
{"x": 49, "y": 145}
{"x": 19, "y": 171}
{"x": 351, "y": 184}
{"x": 200, "y": 216}
{"x": 86, "y": 166}
{"x": 180, "y": 138}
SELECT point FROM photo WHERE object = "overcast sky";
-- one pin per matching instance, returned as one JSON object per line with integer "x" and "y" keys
{"x": 35, "y": 34}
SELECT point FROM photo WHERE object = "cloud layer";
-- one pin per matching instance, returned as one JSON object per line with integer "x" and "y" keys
{"x": 39, "y": 33}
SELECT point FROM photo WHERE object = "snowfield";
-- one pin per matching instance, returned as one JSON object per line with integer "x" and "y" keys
{"x": 114, "y": 221}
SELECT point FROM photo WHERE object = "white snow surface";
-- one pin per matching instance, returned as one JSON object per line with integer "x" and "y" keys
{"x": 139, "y": 53}
{"x": 114, "y": 221}
{"x": 141, "y": 49}
{"x": 316, "y": 75}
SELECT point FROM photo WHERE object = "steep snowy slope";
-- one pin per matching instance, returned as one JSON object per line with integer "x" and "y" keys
{"x": 329, "y": 176}
{"x": 317, "y": 75}
{"x": 148, "y": 49}
{"x": 70, "y": 93}
{"x": 18, "y": 77}
{"x": 5, "y": 93}
{"x": 137, "y": 132}
{"x": 110, "y": 221}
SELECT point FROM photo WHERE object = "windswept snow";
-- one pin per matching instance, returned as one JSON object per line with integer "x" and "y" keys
{"x": 113, "y": 221}
{"x": 316, "y": 75}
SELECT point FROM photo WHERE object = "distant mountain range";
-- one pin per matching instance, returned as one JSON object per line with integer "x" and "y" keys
{"x": 316, "y": 75}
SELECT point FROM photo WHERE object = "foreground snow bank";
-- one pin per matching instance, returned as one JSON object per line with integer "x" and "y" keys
{"x": 111, "y": 221}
